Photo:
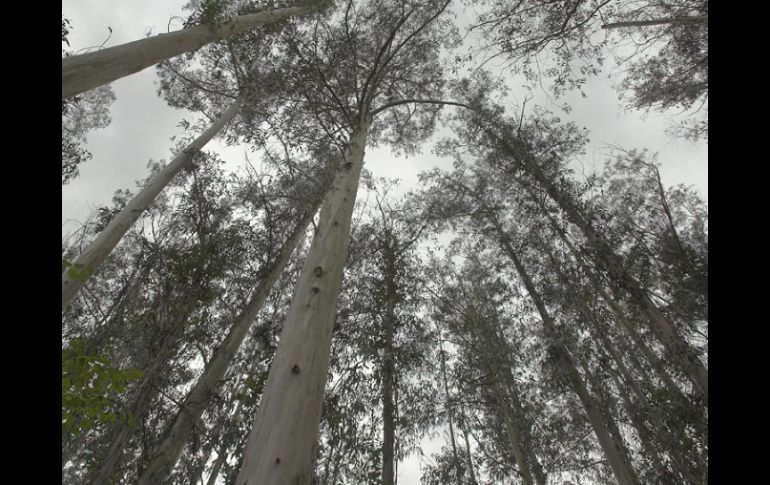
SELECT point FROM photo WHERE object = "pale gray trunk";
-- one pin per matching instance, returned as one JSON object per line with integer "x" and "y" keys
{"x": 121, "y": 432}
{"x": 101, "y": 247}
{"x": 167, "y": 454}
{"x": 87, "y": 71}
{"x": 514, "y": 437}
{"x": 507, "y": 395}
{"x": 448, "y": 402}
{"x": 623, "y": 474}
{"x": 681, "y": 352}
{"x": 468, "y": 456}
{"x": 630, "y": 328}
{"x": 279, "y": 450}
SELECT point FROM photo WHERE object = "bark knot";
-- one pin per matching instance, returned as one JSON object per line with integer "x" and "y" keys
{"x": 318, "y": 271}
{"x": 295, "y": 369}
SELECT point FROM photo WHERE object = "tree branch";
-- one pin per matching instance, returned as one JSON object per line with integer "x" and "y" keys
{"x": 699, "y": 19}
{"x": 419, "y": 101}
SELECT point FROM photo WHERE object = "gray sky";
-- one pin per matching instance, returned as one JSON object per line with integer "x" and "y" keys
{"x": 142, "y": 125}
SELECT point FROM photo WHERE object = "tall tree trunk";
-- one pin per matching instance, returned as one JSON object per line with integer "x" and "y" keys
{"x": 167, "y": 454}
{"x": 121, "y": 432}
{"x": 630, "y": 328}
{"x": 623, "y": 473}
{"x": 681, "y": 352}
{"x": 74, "y": 277}
{"x": 448, "y": 405}
{"x": 507, "y": 395}
{"x": 514, "y": 437}
{"x": 87, "y": 71}
{"x": 609, "y": 412}
{"x": 279, "y": 450}
{"x": 221, "y": 457}
{"x": 468, "y": 456}
{"x": 387, "y": 370}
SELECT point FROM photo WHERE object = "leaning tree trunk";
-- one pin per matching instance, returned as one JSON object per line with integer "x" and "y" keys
{"x": 279, "y": 450}
{"x": 448, "y": 401}
{"x": 75, "y": 276}
{"x": 168, "y": 452}
{"x": 87, "y": 71}
{"x": 630, "y": 328}
{"x": 121, "y": 432}
{"x": 514, "y": 437}
{"x": 681, "y": 352}
{"x": 508, "y": 398}
{"x": 468, "y": 456}
{"x": 623, "y": 473}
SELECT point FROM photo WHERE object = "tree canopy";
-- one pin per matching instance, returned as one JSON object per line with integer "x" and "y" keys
{"x": 279, "y": 312}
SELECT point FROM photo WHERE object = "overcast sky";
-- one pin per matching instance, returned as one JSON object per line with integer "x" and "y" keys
{"x": 142, "y": 126}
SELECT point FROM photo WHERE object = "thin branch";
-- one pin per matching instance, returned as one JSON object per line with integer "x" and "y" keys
{"x": 697, "y": 20}
{"x": 418, "y": 101}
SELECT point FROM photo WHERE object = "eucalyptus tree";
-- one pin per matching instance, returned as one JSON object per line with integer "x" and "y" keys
{"x": 77, "y": 273}
{"x": 484, "y": 203}
{"x": 472, "y": 312}
{"x": 211, "y": 252}
{"x": 631, "y": 213}
{"x": 668, "y": 227}
{"x": 379, "y": 398}
{"x": 351, "y": 61}
{"x": 533, "y": 155}
{"x": 192, "y": 407}
{"x": 79, "y": 116}
{"x": 661, "y": 45}
{"x": 389, "y": 337}
{"x": 214, "y": 22}
{"x": 198, "y": 243}
{"x": 232, "y": 98}
{"x": 669, "y": 449}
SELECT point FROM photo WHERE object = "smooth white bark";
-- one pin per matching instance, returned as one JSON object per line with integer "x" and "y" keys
{"x": 101, "y": 247}
{"x": 87, "y": 71}
{"x": 168, "y": 452}
{"x": 280, "y": 447}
